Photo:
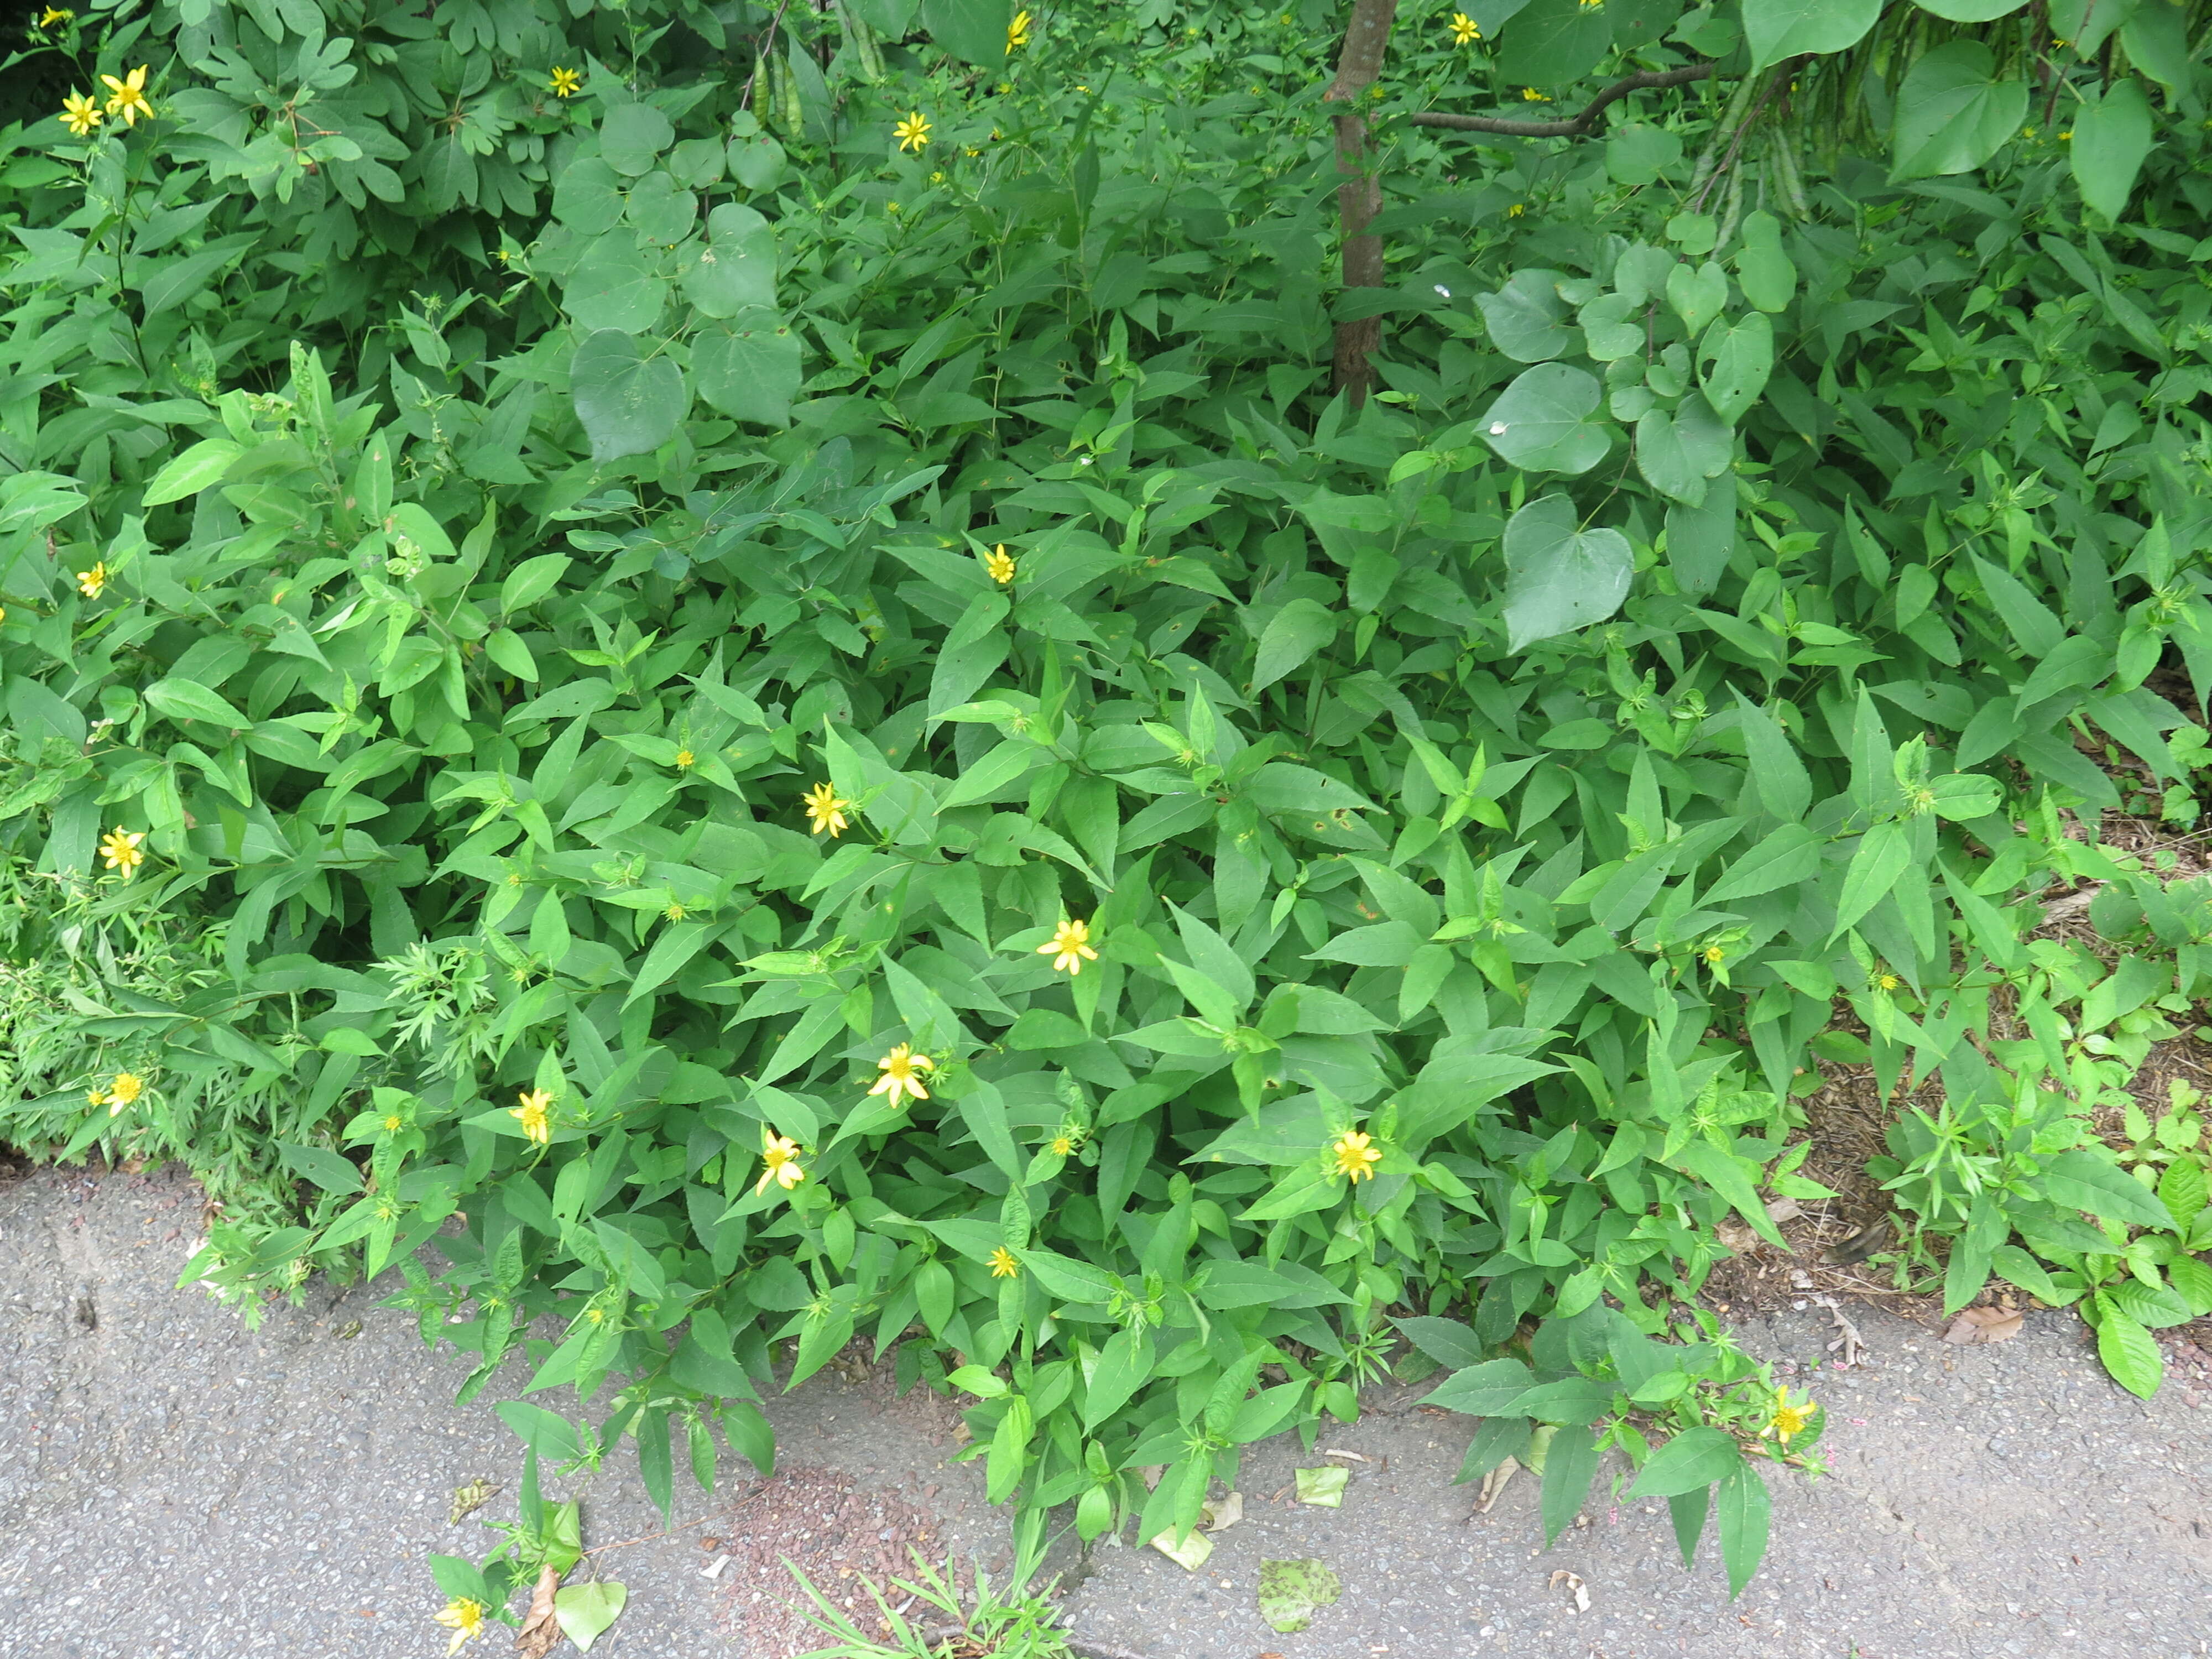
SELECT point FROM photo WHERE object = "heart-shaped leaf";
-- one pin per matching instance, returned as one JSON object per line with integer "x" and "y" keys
{"x": 1559, "y": 577}
{"x": 629, "y": 402}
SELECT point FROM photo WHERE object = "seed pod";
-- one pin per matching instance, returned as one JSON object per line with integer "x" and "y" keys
{"x": 1738, "y": 104}
{"x": 868, "y": 55}
{"x": 1792, "y": 177}
{"x": 790, "y": 114}
{"x": 1731, "y": 203}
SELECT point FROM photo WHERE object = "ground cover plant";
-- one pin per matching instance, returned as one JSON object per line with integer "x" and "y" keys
{"x": 905, "y": 673}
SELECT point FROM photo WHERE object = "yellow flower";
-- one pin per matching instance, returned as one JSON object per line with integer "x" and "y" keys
{"x": 913, "y": 133}
{"x": 125, "y": 1092}
{"x": 1887, "y": 981}
{"x": 2065, "y": 136}
{"x": 91, "y": 582}
{"x": 1715, "y": 955}
{"x": 80, "y": 114}
{"x": 1788, "y": 1420}
{"x": 1003, "y": 1265}
{"x": 901, "y": 1070}
{"x": 781, "y": 1158}
{"x": 675, "y": 912}
{"x": 685, "y": 760}
{"x": 96, "y": 1097}
{"x": 464, "y": 1619}
{"x": 121, "y": 849}
{"x": 1463, "y": 29}
{"x": 127, "y": 98}
{"x": 393, "y": 1123}
{"x": 1356, "y": 1156}
{"x": 1517, "y": 210}
{"x": 1062, "y": 1145}
{"x": 1000, "y": 564}
{"x": 565, "y": 83}
{"x": 826, "y": 810}
{"x": 1530, "y": 95}
{"x": 53, "y": 14}
{"x": 1069, "y": 947}
{"x": 532, "y": 1116}
{"x": 1017, "y": 32}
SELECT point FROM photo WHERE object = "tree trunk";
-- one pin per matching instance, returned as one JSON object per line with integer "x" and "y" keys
{"x": 1360, "y": 196}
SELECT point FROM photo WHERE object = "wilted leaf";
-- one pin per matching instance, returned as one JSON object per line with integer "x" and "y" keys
{"x": 1576, "y": 1588}
{"x": 1291, "y": 1592}
{"x": 1322, "y": 1488}
{"x": 541, "y": 1625}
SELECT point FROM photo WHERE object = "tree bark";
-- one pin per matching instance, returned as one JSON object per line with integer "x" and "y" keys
{"x": 1359, "y": 197}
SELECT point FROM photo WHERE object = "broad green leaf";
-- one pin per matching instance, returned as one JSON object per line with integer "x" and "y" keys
{"x": 1292, "y": 635}
{"x": 2130, "y": 1353}
{"x": 1447, "y": 1341}
{"x": 1541, "y": 421}
{"x": 1697, "y": 294}
{"x": 1951, "y": 113}
{"x": 973, "y": 31}
{"x": 632, "y": 136}
{"x": 187, "y": 700}
{"x": 616, "y": 285}
{"x": 2113, "y": 138}
{"x": 1880, "y": 859}
{"x": 1527, "y": 317}
{"x": 1552, "y": 42}
{"x": 195, "y": 470}
{"x": 1786, "y": 857}
{"x": 749, "y": 368}
{"x": 1745, "y": 1510}
{"x": 629, "y": 403}
{"x": 1569, "y": 1468}
{"x": 1972, "y": 11}
{"x": 1482, "y": 1390}
{"x": 1737, "y": 362}
{"x": 585, "y": 1610}
{"x": 2088, "y": 1180}
{"x": 1776, "y": 29}
{"x": 736, "y": 268}
{"x": 1559, "y": 577}
{"x": 1663, "y": 462}
{"x": 1691, "y": 1460}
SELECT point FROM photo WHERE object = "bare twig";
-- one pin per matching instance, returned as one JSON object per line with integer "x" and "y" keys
{"x": 1575, "y": 126}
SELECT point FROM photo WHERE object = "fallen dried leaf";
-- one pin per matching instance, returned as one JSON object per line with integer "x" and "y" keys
{"x": 541, "y": 1630}
{"x": 1190, "y": 1554}
{"x": 1291, "y": 1592}
{"x": 1323, "y": 1489}
{"x": 1977, "y": 1325}
{"x": 1574, "y": 1583}
{"x": 1494, "y": 1484}
{"x": 1219, "y": 1513}
{"x": 1779, "y": 1210}
{"x": 1357, "y": 1457}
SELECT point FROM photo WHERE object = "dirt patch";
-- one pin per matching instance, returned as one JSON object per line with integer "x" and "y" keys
{"x": 841, "y": 1535}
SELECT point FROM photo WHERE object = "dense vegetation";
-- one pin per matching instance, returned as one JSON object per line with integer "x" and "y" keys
{"x": 791, "y": 675}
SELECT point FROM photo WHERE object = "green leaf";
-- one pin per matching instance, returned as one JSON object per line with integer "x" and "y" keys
{"x": 1447, "y": 1341}
{"x": 1292, "y": 635}
{"x": 1552, "y": 42}
{"x": 327, "y": 1169}
{"x": 1541, "y": 421}
{"x": 1559, "y": 577}
{"x": 1663, "y": 462}
{"x": 632, "y": 136}
{"x": 187, "y": 699}
{"x": 1697, "y": 294}
{"x": 1483, "y": 1390}
{"x": 1972, "y": 11}
{"x": 1569, "y": 1468}
{"x": 973, "y": 31}
{"x": 1527, "y": 317}
{"x": 2185, "y": 1188}
{"x": 1952, "y": 115}
{"x": 617, "y": 285}
{"x": 2084, "y": 1179}
{"x": 1691, "y": 1460}
{"x": 1880, "y": 858}
{"x": 1784, "y": 858}
{"x": 1746, "y": 1509}
{"x": 1776, "y": 29}
{"x": 735, "y": 270}
{"x": 2112, "y": 140}
{"x": 629, "y": 403}
{"x": 749, "y": 368}
{"x": 204, "y": 464}
{"x": 2130, "y": 1353}
{"x": 1737, "y": 362}
{"x": 586, "y": 1610}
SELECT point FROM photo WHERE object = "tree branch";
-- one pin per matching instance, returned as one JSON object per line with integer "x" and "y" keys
{"x": 1576, "y": 125}
{"x": 1360, "y": 196}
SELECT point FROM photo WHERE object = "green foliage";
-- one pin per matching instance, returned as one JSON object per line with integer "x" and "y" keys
{"x": 631, "y": 627}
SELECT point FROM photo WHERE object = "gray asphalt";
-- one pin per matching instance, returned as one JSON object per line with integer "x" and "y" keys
{"x": 175, "y": 1486}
